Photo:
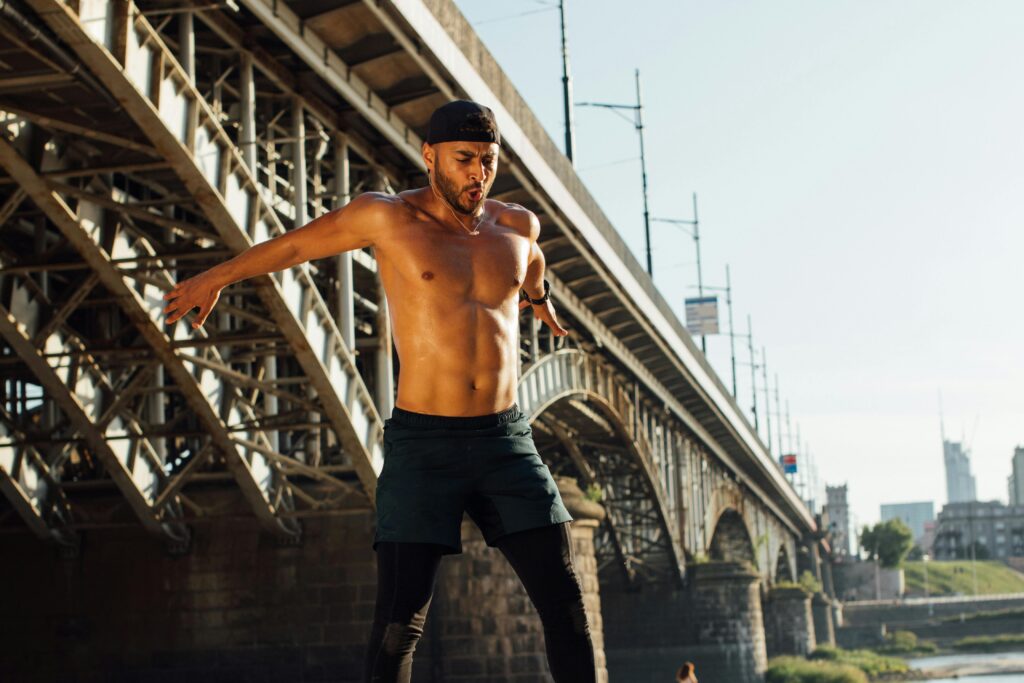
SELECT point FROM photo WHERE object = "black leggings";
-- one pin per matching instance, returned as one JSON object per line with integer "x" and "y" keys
{"x": 543, "y": 559}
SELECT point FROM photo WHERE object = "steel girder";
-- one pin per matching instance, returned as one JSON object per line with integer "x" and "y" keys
{"x": 592, "y": 411}
{"x": 139, "y": 297}
{"x": 125, "y": 52}
{"x": 31, "y": 482}
{"x": 80, "y": 386}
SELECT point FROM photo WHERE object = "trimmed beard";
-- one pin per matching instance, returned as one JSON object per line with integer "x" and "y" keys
{"x": 447, "y": 190}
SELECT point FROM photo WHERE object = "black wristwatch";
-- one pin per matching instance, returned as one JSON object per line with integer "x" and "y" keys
{"x": 543, "y": 299}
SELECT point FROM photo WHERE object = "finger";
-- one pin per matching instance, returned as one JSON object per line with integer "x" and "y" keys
{"x": 552, "y": 321}
{"x": 201, "y": 318}
{"x": 178, "y": 313}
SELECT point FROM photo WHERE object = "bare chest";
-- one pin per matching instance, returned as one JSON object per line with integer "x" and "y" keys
{"x": 487, "y": 267}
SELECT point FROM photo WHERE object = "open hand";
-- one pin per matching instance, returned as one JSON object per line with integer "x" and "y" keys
{"x": 196, "y": 292}
{"x": 546, "y": 312}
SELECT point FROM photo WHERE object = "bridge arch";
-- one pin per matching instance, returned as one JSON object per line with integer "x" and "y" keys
{"x": 584, "y": 421}
{"x": 731, "y": 540}
{"x": 783, "y": 566}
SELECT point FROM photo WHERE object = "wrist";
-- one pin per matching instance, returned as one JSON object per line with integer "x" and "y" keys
{"x": 220, "y": 275}
{"x": 540, "y": 299}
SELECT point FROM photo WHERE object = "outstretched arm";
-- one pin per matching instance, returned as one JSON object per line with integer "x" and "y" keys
{"x": 533, "y": 283}
{"x": 350, "y": 227}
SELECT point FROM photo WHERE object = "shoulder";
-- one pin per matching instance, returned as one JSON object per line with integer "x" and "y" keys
{"x": 374, "y": 203}
{"x": 373, "y": 212}
{"x": 517, "y": 217}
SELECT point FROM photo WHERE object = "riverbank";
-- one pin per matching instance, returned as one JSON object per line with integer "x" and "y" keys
{"x": 960, "y": 665}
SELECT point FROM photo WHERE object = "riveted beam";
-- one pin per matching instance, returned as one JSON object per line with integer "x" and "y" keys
{"x": 202, "y": 391}
{"x": 207, "y": 161}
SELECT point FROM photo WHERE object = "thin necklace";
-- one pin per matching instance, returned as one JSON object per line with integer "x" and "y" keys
{"x": 476, "y": 219}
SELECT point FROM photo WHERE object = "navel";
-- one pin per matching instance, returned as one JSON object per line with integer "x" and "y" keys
{"x": 427, "y": 275}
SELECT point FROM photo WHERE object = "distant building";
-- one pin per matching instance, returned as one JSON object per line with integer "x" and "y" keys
{"x": 839, "y": 520}
{"x": 914, "y": 515}
{"x": 1017, "y": 477}
{"x": 927, "y": 541}
{"x": 993, "y": 530}
{"x": 960, "y": 486}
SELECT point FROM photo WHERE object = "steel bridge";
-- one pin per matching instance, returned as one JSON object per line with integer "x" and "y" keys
{"x": 144, "y": 141}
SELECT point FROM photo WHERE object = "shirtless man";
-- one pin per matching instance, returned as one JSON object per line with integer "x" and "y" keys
{"x": 452, "y": 263}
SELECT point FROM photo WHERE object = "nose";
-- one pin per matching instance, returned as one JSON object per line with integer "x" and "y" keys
{"x": 479, "y": 172}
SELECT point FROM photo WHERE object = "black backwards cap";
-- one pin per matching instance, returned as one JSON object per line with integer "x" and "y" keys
{"x": 462, "y": 121}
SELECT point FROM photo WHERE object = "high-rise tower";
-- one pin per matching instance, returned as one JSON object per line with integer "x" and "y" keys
{"x": 960, "y": 486}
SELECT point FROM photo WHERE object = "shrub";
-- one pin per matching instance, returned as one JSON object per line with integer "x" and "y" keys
{"x": 797, "y": 670}
{"x": 809, "y": 582}
{"x": 1007, "y": 641}
{"x": 906, "y": 642}
{"x": 867, "y": 661}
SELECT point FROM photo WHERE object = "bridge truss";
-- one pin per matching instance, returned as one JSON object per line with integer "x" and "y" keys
{"x": 145, "y": 141}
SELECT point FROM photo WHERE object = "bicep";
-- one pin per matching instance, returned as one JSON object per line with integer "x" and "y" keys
{"x": 341, "y": 230}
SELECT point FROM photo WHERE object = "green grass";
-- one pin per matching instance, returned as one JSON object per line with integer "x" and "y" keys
{"x": 906, "y": 643}
{"x": 1007, "y": 641}
{"x": 871, "y": 663}
{"x": 955, "y": 577}
{"x": 986, "y": 616}
{"x": 798, "y": 670}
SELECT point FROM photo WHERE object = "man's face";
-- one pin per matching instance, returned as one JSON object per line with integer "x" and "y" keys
{"x": 463, "y": 172}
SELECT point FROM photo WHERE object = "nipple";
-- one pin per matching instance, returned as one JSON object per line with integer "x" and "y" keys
{"x": 427, "y": 275}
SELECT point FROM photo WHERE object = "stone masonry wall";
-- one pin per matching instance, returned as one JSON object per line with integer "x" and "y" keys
{"x": 788, "y": 623}
{"x": 238, "y": 606}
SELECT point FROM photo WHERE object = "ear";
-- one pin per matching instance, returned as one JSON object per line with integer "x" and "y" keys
{"x": 429, "y": 156}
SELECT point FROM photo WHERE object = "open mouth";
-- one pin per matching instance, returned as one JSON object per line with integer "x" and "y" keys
{"x": 475, "y": 194}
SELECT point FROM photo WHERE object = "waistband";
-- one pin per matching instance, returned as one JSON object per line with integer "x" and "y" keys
{"x": 407, "y": 418}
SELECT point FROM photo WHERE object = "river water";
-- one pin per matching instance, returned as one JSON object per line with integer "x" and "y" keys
{"x": 997, "y": 667}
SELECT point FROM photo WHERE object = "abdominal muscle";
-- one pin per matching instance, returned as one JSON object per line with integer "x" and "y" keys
{"x": 457, "y": 358}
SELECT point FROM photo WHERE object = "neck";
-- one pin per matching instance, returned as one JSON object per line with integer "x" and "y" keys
{"x": 459, "y": 215}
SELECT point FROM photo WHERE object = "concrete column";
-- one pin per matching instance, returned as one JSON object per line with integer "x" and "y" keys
{"x": 157, "y": 405}
{"x": 187, "y": 44}
{"x": 788, "y": 624}
{"x": 385, "y": 374}
{"x": 824, "y": 629}
{"x": 828, "y": 585}
{"x": 345, "y": 316}
{"x": 587, "y": 516}
{"x": 728, "y": 628}
{"x": 247, "y": 95}
{"x": 270, "y": 400}
{"x": 299, "y": 163}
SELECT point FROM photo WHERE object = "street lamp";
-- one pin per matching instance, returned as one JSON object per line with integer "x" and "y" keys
{"x": 749, "y": 336}
{"x": 570, "y": 142}
{"x": 638, "y": 123}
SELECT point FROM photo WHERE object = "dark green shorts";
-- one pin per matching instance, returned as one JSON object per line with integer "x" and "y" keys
{"x": 437, "y": 468}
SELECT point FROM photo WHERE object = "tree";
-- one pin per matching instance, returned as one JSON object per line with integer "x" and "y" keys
{"x": 980, "y": 551}
{"x": 888, "y": 541}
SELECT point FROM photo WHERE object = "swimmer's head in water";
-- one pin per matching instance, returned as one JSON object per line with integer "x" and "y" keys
{"x": 461, "y": 153}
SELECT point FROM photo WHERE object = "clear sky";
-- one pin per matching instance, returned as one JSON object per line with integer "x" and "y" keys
{"x": 860, "y": 166}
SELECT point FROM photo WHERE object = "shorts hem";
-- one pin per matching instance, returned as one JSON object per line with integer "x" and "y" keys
{"x": 492, "y": 541}
{"x": 449, "y": 549}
